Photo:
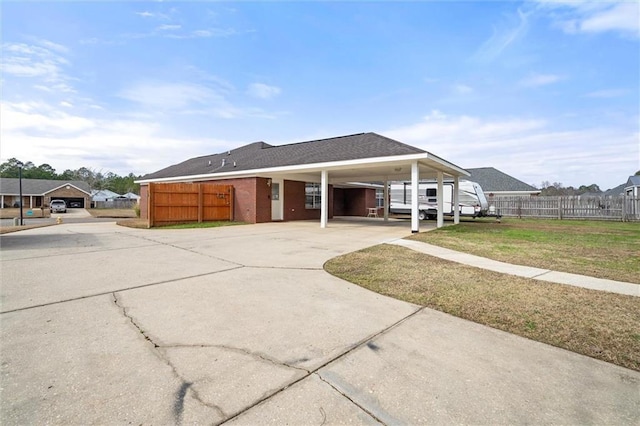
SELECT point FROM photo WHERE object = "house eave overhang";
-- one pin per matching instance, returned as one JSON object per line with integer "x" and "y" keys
{"x": 369, "y": 167}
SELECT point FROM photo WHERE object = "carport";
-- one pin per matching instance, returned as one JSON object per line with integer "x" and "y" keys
{"x": 410, "y": 168}
{"x": 267, "y": 178}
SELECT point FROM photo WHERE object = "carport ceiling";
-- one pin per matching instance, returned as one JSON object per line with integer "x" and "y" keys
{"x": 390, "y": 170}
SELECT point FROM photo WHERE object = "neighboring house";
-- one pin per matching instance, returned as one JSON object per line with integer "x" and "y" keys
{"x": 130, "y": 196}
{"x": 632, "y": 187}
{"x": 306, "y": 180}
{"x": 495, "y": 183}
{"x": 103, "y": 195}
{"x": 38, "y": 193}
{"x": 614, "y": 192}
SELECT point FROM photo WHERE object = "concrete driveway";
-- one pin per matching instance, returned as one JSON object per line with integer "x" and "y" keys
{"x": 108, "y": 325}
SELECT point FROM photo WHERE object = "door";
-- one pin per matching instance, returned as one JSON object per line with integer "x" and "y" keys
{"x": 276, "y": 199}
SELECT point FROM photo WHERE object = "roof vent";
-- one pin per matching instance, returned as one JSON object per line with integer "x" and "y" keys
{"x": 228, "y": 152}
{"x": 209, "y": 162}
{"x": 234, "y": 164}
{"x": 224, "y": 161}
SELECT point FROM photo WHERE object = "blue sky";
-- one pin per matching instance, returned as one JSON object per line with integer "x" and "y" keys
{"x": 542, "y": 90}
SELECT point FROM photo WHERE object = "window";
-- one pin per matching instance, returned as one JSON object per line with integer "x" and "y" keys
{"x": 379, "y": 197}
{"x": 312, "y": 196}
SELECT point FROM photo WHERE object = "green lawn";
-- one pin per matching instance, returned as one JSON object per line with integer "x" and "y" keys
{"x": 598, "y": 324}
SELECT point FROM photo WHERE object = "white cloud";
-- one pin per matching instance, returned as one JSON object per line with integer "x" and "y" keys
{"x": 574, "y": 17}
{"x": 170, "y": 96}
{"x": 462, "y": 89}
{"x": 263, "y": 91}
{"x": 43, "y": 64}
{"x": 41, "y": 118}
{"x": 623, "y": 17}
{"x": 607, "y": 93}
{"x": 504, "y": 35}
{"x": 40, "y": 133}
{"x": 168, "y": 27}
{"x": 531, "y": 150}
{"x": 536, "y": 80}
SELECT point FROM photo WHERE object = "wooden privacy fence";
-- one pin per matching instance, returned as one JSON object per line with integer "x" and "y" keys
{"x": 569, "y": 207}
{"x": 189, "y": 202}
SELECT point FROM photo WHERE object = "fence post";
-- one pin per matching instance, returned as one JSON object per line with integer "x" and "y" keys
{"x": 150, "y": 204}
{"x": 231, "y": 202}
{"x": 560, "y": 207}
{"x": 200, "y": 202}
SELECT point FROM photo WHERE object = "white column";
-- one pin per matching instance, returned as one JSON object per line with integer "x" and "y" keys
{"x": 456, "y": 200}
{"x": 385, "y": 194}
{"x": 415, "y": 180}
{"x": 440, "y": 201}
{"x": 1, "y": 201}
{"x": 30, "y": 201}
{"x": 324, "y": 198}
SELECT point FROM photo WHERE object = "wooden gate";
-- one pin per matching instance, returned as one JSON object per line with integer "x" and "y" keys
{"x": 171, "y": 203}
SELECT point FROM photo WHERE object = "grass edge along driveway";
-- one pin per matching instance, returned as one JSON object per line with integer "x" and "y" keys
{"x": 601, "y": 325}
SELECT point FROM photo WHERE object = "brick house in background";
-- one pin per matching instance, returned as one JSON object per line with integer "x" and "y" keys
{"x": 317, "y": 179}
{"x": 38, "y": 193}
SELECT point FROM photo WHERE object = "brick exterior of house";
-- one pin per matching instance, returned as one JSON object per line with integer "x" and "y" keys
{"x": 252, "y": 200}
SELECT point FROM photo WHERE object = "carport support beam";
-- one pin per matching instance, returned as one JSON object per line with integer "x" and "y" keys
{"x": 415, "y": 180}
{"x": 324, "y": 198}
{"x": 385, "y": 194}
{"x": 440, "y": 197}
{"x": 456, "y": 199}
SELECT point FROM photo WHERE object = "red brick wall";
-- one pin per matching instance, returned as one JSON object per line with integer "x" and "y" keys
{"x": 294, "y": 202}
{"x": 338, "y": 202}
{"x": 252, "y": 201}
{"x": 144, "y": 202}
{"x": 354, "y": 201}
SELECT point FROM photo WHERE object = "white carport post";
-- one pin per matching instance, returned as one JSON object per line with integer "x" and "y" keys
{"x": 324, "y": 198}
{"x": 440, "y": 197}
{"x": 415, "y": 206}
{"x": 385, "y": 194}
{"x": 456, "y": 200}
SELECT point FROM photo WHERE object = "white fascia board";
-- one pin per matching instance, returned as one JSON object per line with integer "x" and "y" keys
{"x": 362, "y": 162}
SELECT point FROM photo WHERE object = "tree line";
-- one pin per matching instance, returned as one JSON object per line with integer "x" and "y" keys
{"x": 556, "y": 188}
{"x": 95, "y": 179}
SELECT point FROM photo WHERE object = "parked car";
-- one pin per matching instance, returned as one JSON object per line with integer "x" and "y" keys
{"x": 58, "y": 206}
{"x": 75, "y": 205}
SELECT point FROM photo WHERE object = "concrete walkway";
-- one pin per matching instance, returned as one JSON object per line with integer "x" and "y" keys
{"x": 522, "y": 271}
{"x": 241, "y": 325}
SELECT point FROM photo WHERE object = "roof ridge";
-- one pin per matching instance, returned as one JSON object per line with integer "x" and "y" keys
{"x": 317, "y": 140}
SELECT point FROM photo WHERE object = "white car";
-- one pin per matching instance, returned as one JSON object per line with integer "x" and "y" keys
{"x": 58, "y": 206}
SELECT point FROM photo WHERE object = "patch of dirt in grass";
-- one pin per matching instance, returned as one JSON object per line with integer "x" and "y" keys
{"x": 134, "y": 223}
{"x": 601, "y": 325}
{"x": 113, "y": 213}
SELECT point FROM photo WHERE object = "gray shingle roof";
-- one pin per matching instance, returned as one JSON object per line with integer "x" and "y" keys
{"x": 613, "y": 192}
{"x": 633, "y": 181}
{"x": 260, "y": 155}
{"x": 493, "y": 180}
{"x": 11, "y": 186}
